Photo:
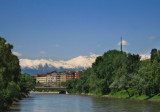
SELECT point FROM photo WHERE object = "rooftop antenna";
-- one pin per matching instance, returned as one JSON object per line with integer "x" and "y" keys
{"x": 121, "y": 44}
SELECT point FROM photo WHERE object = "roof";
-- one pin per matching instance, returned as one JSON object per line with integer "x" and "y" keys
{"x": 42, "y": 75}
{"x": 52, "y": 72}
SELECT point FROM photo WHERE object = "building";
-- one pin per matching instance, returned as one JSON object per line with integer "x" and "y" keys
{"x": 72, "y": 75}
{"x": 42, "y": 79}
{"x": 77, "y": 75}
{"x": 62, "y": 77}
{"x": 51, "y": 76}
{"x": 54, "y": 78}
{"x": 49, "y": 79}
{"x": 52, "y": 73}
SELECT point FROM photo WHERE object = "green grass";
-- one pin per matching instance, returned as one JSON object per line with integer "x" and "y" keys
{"x": 124, "y": 94}
{"x": 142, "y": 97}
{"x": 120, "y": 94}
{"x": 155, "y": 98}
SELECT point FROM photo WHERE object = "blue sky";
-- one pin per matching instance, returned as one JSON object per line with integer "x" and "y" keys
{"x": 64, "y": 29}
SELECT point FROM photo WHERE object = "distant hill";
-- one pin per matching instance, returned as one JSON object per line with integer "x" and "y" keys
{"x": 44, "y": 66}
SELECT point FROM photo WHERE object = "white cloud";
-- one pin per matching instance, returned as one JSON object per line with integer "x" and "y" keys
{"x": 57, "y": 45}
{"x": 42, "y": 52}
{"x": 145, "y": 56}
{"x": 80, "y": 61}
{"x": 17, "y": 54}
{"x": 123, "y": 43}
{"x": 152, "y": 37}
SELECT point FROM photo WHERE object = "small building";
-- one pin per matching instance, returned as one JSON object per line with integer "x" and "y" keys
{"x": 55, "y": 79}
{"x": 77, "y": 75}
{"x": 62, "y": 77}
{"x": 42, "y": 79}
{"x": 72, "y": 75}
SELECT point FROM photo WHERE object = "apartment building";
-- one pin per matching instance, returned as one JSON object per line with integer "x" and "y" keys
{"x": 72, "y": 75}
{"x": 42, "y": 78}
{"x": 54, "y": 78}
{"x": 62, "y": 77}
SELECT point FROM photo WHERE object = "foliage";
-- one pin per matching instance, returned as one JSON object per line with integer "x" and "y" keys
{"x": 12, "y": 82}
{"x": 121, "y": 73}
{"x": 27, "y": 83}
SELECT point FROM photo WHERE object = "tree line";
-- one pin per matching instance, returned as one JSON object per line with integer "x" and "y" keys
{"x": 13, "y": 84}
{"x": 117, "y": 71}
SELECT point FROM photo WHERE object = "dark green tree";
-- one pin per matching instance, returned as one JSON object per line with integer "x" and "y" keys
{"x": 154, "y": 55}
{"x": 12, "y": 83}
{"x": 26, "y": 83}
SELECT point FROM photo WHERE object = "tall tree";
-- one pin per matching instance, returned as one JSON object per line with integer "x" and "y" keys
{"x": 154, "y": 55}
{"x": 9, "y": 63}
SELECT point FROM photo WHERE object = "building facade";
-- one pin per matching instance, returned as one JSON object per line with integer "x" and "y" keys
{"x": 55, "y": 79}
{"x": 42, "y": 79}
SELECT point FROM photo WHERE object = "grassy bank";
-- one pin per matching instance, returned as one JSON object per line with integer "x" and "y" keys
{"x": 124, "y": 95}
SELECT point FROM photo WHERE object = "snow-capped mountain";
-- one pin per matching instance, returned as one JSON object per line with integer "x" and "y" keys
{"x": 44, "y": 65}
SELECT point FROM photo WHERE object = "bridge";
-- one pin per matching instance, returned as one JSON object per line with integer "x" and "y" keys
{"x": 52, "y": 88}
{"x": 61, "y": 89}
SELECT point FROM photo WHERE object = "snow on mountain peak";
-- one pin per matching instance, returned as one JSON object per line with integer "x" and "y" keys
{"x": 80, "y": 61}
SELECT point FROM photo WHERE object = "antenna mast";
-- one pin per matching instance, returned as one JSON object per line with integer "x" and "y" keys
{"x": 121, "y": 44}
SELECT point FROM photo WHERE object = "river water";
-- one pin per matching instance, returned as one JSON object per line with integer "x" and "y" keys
{"x": 77, "y": 103}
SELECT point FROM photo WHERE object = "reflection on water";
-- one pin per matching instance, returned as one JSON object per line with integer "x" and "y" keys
{"x": 77, "y": 103}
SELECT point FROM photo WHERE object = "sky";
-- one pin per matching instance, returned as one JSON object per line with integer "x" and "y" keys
{"x": 64, "y": 29}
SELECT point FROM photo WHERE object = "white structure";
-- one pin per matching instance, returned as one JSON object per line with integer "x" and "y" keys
{"x": 41, "y": 80}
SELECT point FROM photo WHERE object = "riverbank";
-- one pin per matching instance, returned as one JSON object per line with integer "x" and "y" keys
{"x": 124, "y": 95}
{"x": 120, "y": 95}
{"x": 23, "y": 95}
{"x": 44, "y": 92}
{"x": 154, "y": 98}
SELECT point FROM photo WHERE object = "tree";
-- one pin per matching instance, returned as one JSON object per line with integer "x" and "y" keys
{"x": 12, "y": 83}
{"x": 9, "y": 63}
{"x": 145, "y": 73}
{"x": 156, "y": 76}
{"x": 154, "y": 55}
{"x": 26, "y": 83}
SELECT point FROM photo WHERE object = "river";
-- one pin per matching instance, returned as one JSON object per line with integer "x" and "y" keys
{"x": 77, "y": 103}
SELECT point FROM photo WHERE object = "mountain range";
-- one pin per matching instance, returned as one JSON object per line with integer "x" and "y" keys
{"x": 43, "y": 65}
